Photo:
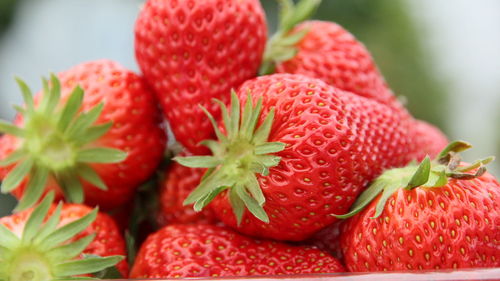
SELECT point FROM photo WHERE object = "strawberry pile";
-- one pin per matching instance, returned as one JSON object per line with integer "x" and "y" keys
{"x": 291, "y": 156}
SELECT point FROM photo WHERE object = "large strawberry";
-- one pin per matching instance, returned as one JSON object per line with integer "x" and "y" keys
{"x": 179, "y": 181}
{"x": 315, "y": 149}
{"x": 211, "y": 251}
{"x": 94, "y": 134}
{"x": 49, "y": 242}
{"x": 193, "y": 51}
{"x": 433, "y": 216}
{"x": 326, "y": 51}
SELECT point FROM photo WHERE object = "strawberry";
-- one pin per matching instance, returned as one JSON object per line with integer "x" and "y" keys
{"x": 51, "y": 242}
{"x": 93, "y": 135}
{"x": 178, "y": 182}
{"x": 324, "y": 50}
{"x": 196, "y": 50}
{"x": 315, "y": 149}
{"x": 429, "y": 140}
{"x": 211, "y": 251}
{"x": 432, "y": 216}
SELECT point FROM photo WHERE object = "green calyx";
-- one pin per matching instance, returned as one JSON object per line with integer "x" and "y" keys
{"x": 281, "y": 46}
{"x": 236, "y": 158}
{"x": 42, "y": 253}
{"x": 56, "y": 142}
{"x": 428, "y": 174}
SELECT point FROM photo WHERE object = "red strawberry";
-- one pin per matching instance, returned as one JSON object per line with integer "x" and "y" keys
{"x": 433, "y": 216}
{"x": 179, "y": 181}
{"x": 193, "y": 51}
{"x": 326, "y": 51}
{"x": 74, "y": 140}
{"x": 44, "y": 242}
{"x": 314, "y": 152}
{"x": 207, "y": 250}
{"x": 429, "y": 140}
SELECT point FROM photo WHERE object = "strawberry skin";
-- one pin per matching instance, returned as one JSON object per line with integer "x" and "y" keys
{"x": 107, "y": 242}
{"x": 211, "y": 251}
{"x": 334, "y": 143}
{"x": 193, "y": 51}
{"x": 449, "y": 227}
{"x": 429, "y": 140}
{"x": 178, "y": 182}
{"x": 136, "y": 130}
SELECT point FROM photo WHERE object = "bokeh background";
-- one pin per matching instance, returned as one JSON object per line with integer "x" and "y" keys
{"x": 442, "y": 57}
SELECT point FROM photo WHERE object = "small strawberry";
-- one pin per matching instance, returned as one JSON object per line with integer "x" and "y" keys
{"x": 301, "y": 154}
{"x": 93, "y": 135}
{"x": 178, "y": 183}
{"x": 434, "y": 216}
{"x": 49, "y": 242}
{"x": 211, "y": 251}
{"x": 429, "y": 140}
{"x": 196, "y": 50}
{"x": 326, "y": 51}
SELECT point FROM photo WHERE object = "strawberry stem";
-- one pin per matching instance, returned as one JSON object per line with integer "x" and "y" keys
{"x": 55, "y": 143}
{"x": 429, "y": 174}
{"x": 281, "y": 46}
{"x": 43, "y": 253}
{"x": 239, "y": 155}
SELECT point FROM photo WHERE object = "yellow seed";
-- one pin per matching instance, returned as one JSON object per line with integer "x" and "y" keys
{"x": 427, "y": 256}
{"x": 374, "y": 231}
{"x": 441, "y": 239}
{"x": 410, "y": 252}
{"x": 418, "y": 238}
{"x": 462, "y": 250}
{"x": 457, "y": 222}
{"x": 384, "y": 243}
{"x": 401, "y": 240}
{"x": 430, "y": 202}
{"x": 453, "y": 233}
{"x": 369, "y": 247}
{"x": 433, "y": 224}
{"x": 441, "y": 204}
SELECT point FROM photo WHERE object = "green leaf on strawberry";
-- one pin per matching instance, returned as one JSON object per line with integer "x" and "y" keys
{"x": 431, "y": 174}
{"x": 55, "y": 140}
{"x": 281, "y": 46}
{"x": 42, "y": 252}
{"x": 240, "y": 153}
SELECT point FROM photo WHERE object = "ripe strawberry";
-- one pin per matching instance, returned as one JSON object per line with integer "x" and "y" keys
{"x": 207, "y": 250}
{"x": 72, "y": 140}
{"x": 429, "y": 140}
{"x": 42, "y": 243}
{"x": 326, "y": 51}
{"x": 437, "y": 216}
{"x": 314, "y": 152}
{"x": 196, "y": 50}
{"x": 179, "y": 181}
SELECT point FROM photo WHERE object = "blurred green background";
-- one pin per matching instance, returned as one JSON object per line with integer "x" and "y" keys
{"x": 411, "y": 41}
